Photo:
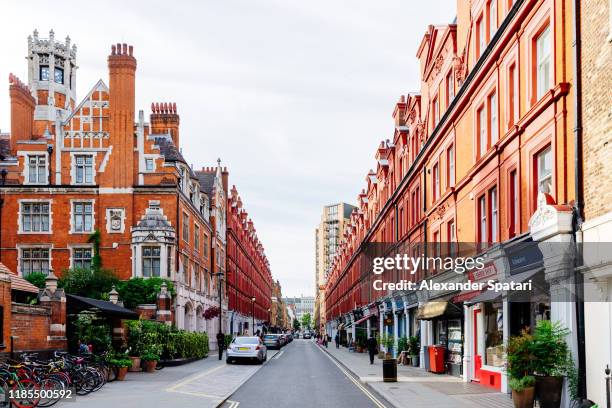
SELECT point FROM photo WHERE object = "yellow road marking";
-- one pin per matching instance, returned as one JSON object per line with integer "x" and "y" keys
{"x": 193, "y": 378}
{"x": 368, "y": 394}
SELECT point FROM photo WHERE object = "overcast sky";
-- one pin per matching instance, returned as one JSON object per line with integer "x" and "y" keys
{"x": 293, "y": 96}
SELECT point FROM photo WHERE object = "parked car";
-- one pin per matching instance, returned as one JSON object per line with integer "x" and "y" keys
{"x": 307, "y": 335}
{"x": 289, "y": 337}
{"x": 296, "y": 335}
{"x": 272, "y": 341}
{"x": 247, "y": 348}
{"x": 282, "y": 339}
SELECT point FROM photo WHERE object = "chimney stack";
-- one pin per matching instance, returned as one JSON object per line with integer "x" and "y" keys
{"x": 164, "y": 119}
{"x": 22, "y": 111}
{"x": 122, "y": 101}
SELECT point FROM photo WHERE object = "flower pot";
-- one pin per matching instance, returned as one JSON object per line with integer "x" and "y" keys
{"x": 415, "y": 360}
{"x": 381, "y": 355}
{"x": 388, "y": 355}
{"x": 121, "y": 372}
{"x": 548, "y": 391}
{"x": 149, "y": 366}
{"x": 135, "y": 364}
{"x": 523, "y": 399}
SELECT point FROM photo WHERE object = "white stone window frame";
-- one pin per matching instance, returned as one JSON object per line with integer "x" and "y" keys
{"x": 93, "y": 215}
{"x": 72, "y": 247}
{"x": 73, "y": 175}
{"x": 109, "y": 230}
{"x": 26, "y": 166}
{"x": 21, "y": 247}
{"x": 20, "y": 214}
{"x": 153, "y": 158}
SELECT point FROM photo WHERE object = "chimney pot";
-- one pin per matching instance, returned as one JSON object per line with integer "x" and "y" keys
{"x": 118, "y": 49}
{"x": 131, "y": 50}
{"x": 124, "y": 49}
{"x": 113, "y": 50}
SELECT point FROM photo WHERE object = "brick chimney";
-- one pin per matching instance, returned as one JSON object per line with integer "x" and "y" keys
{"x": 122, "y": 80}
{"x": 164, "y": 119}
{"x": 399, "y": 113}
{"x": 22, "y": 111}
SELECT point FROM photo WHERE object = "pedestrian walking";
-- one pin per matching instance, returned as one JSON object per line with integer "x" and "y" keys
{"x": 372, "y": 346}
{"x": 337, "y": 340}
{"x": 325, "y": 340}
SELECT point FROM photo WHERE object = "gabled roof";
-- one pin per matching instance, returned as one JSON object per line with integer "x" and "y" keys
{"x": 99, "y": 86}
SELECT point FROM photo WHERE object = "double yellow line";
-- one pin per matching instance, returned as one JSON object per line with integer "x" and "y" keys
{"x": 363, "y": 389}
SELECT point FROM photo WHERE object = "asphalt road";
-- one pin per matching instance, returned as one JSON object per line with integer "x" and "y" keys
{"x": 301, "y": 376}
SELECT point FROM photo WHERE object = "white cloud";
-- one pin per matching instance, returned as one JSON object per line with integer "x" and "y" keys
{"x": 293, "y": 96}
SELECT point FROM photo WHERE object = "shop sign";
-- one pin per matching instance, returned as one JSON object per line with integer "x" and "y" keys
{"x": 525, "y": 256}
{"x": 488, "y": 272}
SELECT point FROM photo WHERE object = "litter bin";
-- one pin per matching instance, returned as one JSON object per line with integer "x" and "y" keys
{"x": 389, "y": 370}
{"x": 426, "y": 356}
{"x": 436, "y": 357}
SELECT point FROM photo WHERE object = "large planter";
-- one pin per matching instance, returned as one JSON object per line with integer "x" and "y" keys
{"x": 135, "y": 364}
{"x": 523, "y": 399}
{"x": 415, "y": 360}
{"x": 121, "y": 372}
{"x": 150, "y": 365}
{"x": 548, "y": 391}
{"x": 389, "y": 370}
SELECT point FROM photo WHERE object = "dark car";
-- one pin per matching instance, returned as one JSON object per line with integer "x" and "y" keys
{"x": 307, "y": 335}
{"x": 272, "y": 341}
{"x": 296, "y": 335}
{"x": 282, "y": 339}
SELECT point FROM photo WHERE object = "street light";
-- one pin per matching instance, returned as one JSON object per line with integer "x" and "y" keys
{"x": 253, "y": 313}
{"x": 220, "y": 335}
{"x": 270, "y": 319}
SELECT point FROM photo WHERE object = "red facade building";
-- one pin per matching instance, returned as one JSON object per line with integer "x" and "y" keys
{"x": 249, "y": 280}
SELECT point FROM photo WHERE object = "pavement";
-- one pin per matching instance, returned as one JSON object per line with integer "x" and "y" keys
{"x": 303, "y": 376}
{"x": 417, "y": 388}
{"x": 204, "y": 384}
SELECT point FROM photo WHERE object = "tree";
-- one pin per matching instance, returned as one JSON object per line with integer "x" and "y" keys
{"x": 296, "y": 324}
{"x": 306, "y": 320}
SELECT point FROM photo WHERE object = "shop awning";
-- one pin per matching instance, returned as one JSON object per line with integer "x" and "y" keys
{"x": 431, "y": 310}
{"x": 341, "y": 326}
{"x": 76, "y": 304}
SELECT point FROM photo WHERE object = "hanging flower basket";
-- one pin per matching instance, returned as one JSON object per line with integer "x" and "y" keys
{"x": 211, "y": 312}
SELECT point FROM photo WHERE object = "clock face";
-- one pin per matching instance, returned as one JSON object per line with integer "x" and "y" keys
{"x": 44, "y": 73}
{"x": 59, "y": 75}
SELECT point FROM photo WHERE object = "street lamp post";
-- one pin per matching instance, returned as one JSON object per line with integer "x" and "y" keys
{"x": 220, "y": 335}
{"x": 270, "y": 320}
{"x": 253, "y": 313}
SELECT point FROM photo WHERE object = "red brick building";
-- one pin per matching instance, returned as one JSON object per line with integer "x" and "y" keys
{"x": 249, "y": 280}
{"x": 69, "y": 168}
{"x": 471, "y": 153}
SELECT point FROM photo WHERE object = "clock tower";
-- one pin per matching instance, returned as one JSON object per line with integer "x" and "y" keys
{"x": 52, "y": 80}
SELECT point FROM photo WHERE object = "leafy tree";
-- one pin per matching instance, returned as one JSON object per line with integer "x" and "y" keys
{"x": 296, "y": 324}
{"x": 138, "y": 291}
{"x": 93, "y": 283}
{"x": 306, "y": 320}
{"x": 37, "y": 279}
{"x": 94, "y": 330}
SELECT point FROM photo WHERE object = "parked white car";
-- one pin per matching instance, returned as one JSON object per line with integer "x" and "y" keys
{"x": 247, "y": 348}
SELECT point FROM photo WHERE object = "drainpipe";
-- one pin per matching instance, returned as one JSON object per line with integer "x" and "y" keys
{"x": 578, "y": 206}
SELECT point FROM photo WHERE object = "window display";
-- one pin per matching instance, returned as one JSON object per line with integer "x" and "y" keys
{"x": 494, "y": 334}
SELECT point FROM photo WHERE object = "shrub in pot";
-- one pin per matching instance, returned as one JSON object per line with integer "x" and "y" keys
{"x": 122, "y": 365}
{"x": 135, "y": 343}
{"x": 523, "y": 391}
{"x": 413, "y": 350}
{"x": 389, "y": 342}
{"x": 551, "y": 362}
{"x": 150, "y": 360}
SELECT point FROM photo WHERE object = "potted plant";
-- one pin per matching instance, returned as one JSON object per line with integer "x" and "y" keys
{"x": 389, "y": 342}
{"x": 135, "y": 345}
{"x": 551, "y": 362}
{"x": 380, "y": 340}
{"x": 413, "y": 350}
{"x": 150, "y": 359}
{"x": 519, "y": 366}
{"x": 122, "y": 364}
{"x": 523, "y": 391}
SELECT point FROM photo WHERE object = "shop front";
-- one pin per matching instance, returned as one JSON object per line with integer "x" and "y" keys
{"x": 445, "y": 351}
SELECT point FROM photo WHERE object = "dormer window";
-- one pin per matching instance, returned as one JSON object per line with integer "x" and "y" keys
{"x": 59, "y": 76}
{"x": 44, "y": 73}
{"x": 83, "y": 169}
{"x": 149, "y": 164}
